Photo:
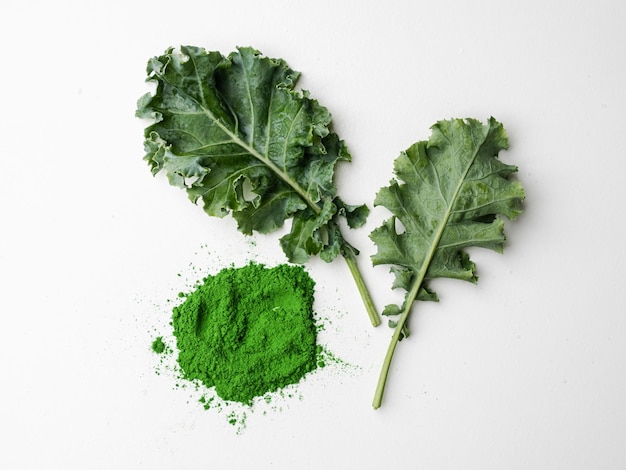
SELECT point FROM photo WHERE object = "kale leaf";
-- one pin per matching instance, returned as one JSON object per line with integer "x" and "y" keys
{"x": 448, "y": 195}
{"x": 240, "y": 139}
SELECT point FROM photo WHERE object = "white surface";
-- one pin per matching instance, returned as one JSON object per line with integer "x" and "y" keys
{"x": 526, "y": 370}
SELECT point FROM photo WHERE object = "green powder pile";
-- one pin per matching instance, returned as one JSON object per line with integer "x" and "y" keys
{"x": 248, "y": 331}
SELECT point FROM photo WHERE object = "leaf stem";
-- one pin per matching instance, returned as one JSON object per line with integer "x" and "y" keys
{"x": 360, "y": 283}
{"x": 397, "y": 334}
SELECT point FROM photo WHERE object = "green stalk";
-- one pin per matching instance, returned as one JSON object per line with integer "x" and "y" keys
{"x": 360, "y": 283}
{"x": 397, "y": 334}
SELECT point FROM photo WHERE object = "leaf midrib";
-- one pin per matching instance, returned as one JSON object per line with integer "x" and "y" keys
{"x": 412, "y": 294}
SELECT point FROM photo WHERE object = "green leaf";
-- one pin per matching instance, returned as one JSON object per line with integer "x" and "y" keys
{"x": 236, "y": 135}
{"x": 449, "y": 193}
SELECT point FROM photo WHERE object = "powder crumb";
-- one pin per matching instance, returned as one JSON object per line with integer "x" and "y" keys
{"x": 158, "y": 346}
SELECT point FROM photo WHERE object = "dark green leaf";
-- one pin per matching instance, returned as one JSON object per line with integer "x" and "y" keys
{"x": 236, "y": 135}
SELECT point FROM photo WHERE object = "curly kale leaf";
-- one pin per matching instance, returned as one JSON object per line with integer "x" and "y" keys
{"x": 239, "y": 138}
{"x": 235, "y": 134}
{"x": 448, "y": 195}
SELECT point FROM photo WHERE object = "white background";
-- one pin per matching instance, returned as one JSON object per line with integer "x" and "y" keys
{"x": 526, "y": 370}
